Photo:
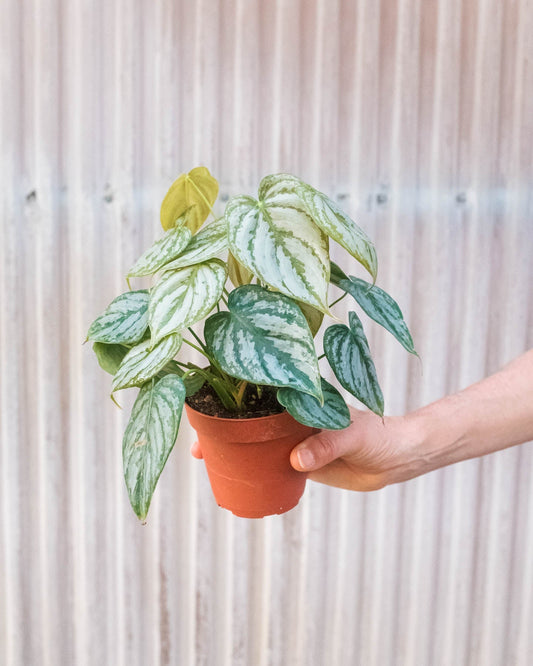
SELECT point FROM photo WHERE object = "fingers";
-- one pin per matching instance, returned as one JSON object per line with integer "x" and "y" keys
{"x": 196, "y": 452}
{"x": 319, "y": 450}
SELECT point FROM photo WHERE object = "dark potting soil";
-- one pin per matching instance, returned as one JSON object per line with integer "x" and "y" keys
{"x": 207, "y": 402}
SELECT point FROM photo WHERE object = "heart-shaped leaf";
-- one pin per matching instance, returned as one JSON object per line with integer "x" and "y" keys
{"x": 327, "y": 215}
{"x": 181, "y": 298}
{"x": 149, "y": 438}
{"x": 379, "y": 306}
{"x": 110, "y": 357}
{"x": 349, "y": 356}
{"x": 332, "y": 415}
{"x": 161, "y": 252}
{"x": 206, "y": 244}
{"x": 265, "y": 339}
{"x": 192, "y": 193}
{"x": 337, "y": 225}
{"x": 143, "y": 361}
{"x": 124, "y": 320}
{"x": 275, "y": 238}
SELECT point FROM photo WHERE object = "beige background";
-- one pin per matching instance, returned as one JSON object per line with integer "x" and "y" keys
{"x": 417, "y": 116}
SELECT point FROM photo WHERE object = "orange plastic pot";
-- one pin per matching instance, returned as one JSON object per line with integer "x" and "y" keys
{"x": 248, "y": 464}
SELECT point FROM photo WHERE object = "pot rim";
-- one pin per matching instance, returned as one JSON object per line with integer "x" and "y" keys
{"x": 228, "y": 420}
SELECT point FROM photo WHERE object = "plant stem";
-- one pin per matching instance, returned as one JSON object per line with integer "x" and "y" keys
{"x": 191, "y": 344}
{"x": 240, "y": 393}
{"x": 198, "y": 339}
{"x": 219, "y": 386}
{"x": 338, "y": 299}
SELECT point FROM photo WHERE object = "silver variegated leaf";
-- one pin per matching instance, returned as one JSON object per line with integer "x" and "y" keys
{"x": 275, "y": 238}
{"x": 143, "y": 361}
{"x": 379, "y": 306}
{"x": 109, "y": 357}
{"x": 349, "y": 357}
{"x": 125, "y": 320}
{"x": 327, "y": 215}
{"x": 282, "y": 183}
{"x": 332, "y": 415}
{"x": 182, "y": 297}
{"x": 337, "y": 225}
{"x": 265, "y": 339}
{"x": 206, "y": 244}
{"x": 161, "y": 252}
{"x": 150, "y": 435}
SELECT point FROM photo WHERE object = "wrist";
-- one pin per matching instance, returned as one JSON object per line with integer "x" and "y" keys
{"x": 437, "y": 436}
{"x": 409, "y": 441}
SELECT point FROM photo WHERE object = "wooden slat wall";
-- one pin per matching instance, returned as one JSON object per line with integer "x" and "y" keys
{"x": 418, "y": 117}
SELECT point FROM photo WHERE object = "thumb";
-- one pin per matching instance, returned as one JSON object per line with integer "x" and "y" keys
{"x": 319, "y": 450}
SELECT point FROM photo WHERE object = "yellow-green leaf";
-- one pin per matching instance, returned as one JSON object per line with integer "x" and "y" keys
{"x": 193, "y": 193}
{"x": 238, "y": 273}
{"x": 314, "y": 317}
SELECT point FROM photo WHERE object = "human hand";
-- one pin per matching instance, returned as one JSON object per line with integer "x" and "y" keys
{"x": 368, "y": 455}
{"x": 371, "y": 453}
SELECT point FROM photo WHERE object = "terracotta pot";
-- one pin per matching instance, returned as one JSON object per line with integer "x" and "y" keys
{"x": 247, "y": 461}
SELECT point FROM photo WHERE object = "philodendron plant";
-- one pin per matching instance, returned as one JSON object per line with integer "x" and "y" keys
{"x": 275, "y": 251}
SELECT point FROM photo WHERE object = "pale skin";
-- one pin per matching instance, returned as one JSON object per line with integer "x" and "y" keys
{"x": 488, "y": 416}
{"x": 372, "y": 453}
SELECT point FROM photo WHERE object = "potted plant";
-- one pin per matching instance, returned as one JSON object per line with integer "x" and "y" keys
{"x": 259, "y": 391}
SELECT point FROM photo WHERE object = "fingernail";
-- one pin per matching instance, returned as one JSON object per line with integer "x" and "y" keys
{"x": 306, "y": 459}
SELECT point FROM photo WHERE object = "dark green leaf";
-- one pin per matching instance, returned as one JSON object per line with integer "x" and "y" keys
{"x": 378, "y": 305}
{"x": 349, "y": 356}
{"x": 265, "y": 339}
{"x": 193, "y": 383}
{"x": 336, "y": 273}
{"x": 110, "y": 356}
{"x": 332, "y": 415}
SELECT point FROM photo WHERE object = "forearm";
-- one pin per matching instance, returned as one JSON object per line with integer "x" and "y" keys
{"x": 493, "y": 414}
{"x": 372, "y": 453}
